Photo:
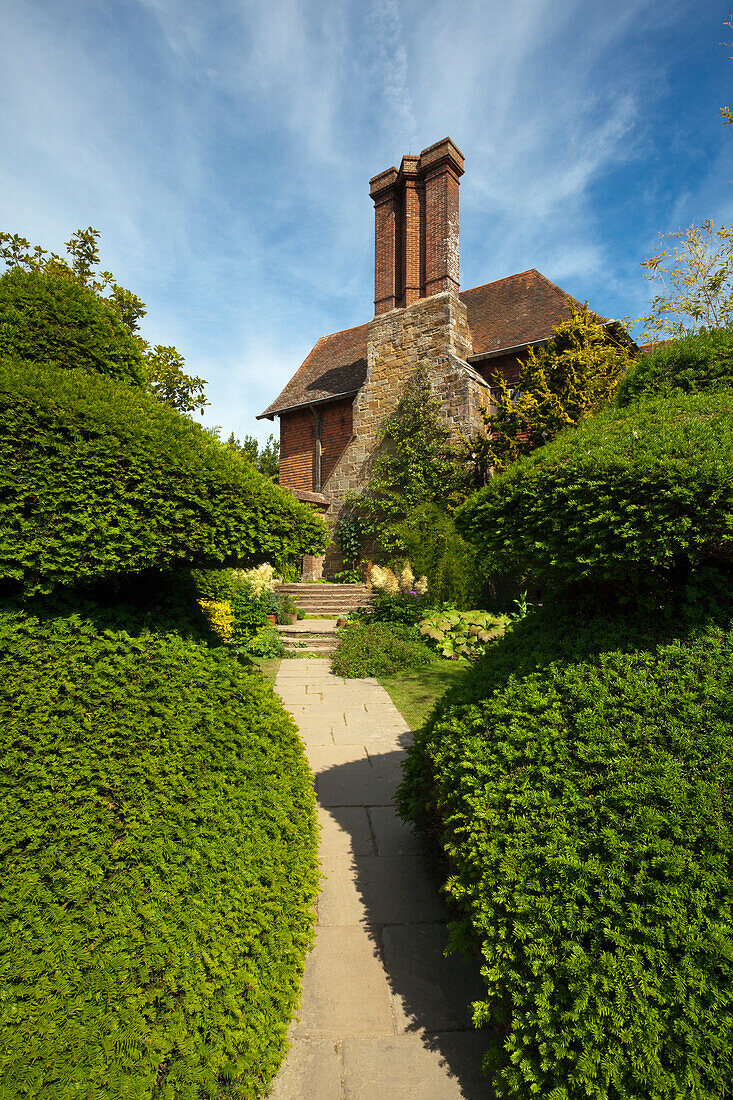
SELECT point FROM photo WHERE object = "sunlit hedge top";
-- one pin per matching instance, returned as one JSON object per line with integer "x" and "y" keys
{"x": 51, "y": 317}
{"x": 701, "y": 361}
{"x": 99, "y": 478}
{"x": 624, "y": 498}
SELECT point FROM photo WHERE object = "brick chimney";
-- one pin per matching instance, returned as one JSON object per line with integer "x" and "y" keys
{"x": 416, "y": 227}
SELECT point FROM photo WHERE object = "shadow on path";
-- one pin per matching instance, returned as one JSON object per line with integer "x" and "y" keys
{"x": 381, "y": 884}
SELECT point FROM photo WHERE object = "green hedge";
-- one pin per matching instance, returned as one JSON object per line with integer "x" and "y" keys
{"x": 701, "y": 361}
{"x": 50, "y": 317}
{"x": 99, "y": 478}
{"x": 376, "y": 649}
{"x": 629, "y": 498}
{"x": 584, "y": 807}
{"x": 159, "y": 865}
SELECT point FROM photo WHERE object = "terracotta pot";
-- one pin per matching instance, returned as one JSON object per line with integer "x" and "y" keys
{"x": 290, "y": 619}
{"x": 341, "y": 622}
{"x": 272, "y": 619}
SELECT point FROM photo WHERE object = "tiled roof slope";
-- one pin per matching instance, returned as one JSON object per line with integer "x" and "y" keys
{"x": 504, "y": 314}
{"x": 336, "y": 365}
{"x": 514, "y": 311}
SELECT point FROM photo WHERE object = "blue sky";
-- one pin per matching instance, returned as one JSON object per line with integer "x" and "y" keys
{"x": 224, "y": 151}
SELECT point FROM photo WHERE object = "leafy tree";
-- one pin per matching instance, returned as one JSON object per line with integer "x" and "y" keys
{"x": 162, "y": 367}
{"x": 572, "y": 376}
{"x": 694, "y": 280}
{"x": 416, "y": 464}
{"x": 265, "y": 458}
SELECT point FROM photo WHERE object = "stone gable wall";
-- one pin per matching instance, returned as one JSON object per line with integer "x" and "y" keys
{"x": 432, "y": 331}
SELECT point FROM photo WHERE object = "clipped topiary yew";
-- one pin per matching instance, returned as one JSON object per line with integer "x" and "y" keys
{"x": 580, "y": 786}
{"x": 700, "y": 361}
{"x": 50, "y": 316}
{"x": 99, "y": 478}
{"x": 627, "y": 499}
{"x": 158, "y": 844}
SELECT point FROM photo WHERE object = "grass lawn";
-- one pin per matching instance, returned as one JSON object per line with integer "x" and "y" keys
{"x": 414, "y": 693}
{"x": 268, "y": 666}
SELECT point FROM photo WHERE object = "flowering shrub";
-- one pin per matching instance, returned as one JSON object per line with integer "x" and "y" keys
{"x": 385, "y": 580}
{"x": 259, "y": 580}
{"x": 220, "y": 617}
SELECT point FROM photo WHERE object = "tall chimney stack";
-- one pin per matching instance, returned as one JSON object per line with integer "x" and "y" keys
{"x": 416, "y": 227}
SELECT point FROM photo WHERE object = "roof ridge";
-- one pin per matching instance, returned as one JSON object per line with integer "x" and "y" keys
{"x": 503, "y": 279}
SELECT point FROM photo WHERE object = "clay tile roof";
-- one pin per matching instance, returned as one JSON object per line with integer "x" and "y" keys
{"x": 514, "y": 311}
{"x": 336, "y": 365}
{"x": 508, "y": 313}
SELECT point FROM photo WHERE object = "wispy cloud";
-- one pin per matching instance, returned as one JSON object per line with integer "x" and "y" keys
{"x": 224, "y": 151}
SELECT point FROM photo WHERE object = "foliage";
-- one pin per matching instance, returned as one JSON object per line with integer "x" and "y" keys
{"x": 699, "y": 361}
{"x": 220, "y": 617}
{"x": 374, "y": 649}
{"x": 48, "y": 277}
{"x": 694, "y": 281}
{"x": 630, "y": 500}
{"x": 170, "y": 384}
{"x": 285, "y": 609}
{"x": 437, "y": 550}
{"x": 265, "y": 456}
{"x": 579, "y": 784}
{"x": 100, "y": 478}
{"x": 404, "y": 607}
{"x": 416, "y": 464}
{"x": 455, "y": 633}
{"x": 570, "y": 378}
{"x": 349, "y": 537}
{"x": 266, "y": 642}
{"x": 50, "y": 317}
{"x": 159, "y": 864}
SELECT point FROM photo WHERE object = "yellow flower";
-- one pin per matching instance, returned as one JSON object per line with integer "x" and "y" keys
{"x": 220, "y": 617}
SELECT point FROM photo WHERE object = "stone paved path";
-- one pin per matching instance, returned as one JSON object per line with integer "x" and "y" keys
{"x": 384, "y": 1015}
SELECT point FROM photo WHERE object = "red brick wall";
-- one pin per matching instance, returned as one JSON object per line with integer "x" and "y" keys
{"x": 298, "y": 442}
{"x": 336, "y": 431}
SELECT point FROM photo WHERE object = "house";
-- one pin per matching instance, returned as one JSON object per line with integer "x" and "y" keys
{"x": 332, "y": 408}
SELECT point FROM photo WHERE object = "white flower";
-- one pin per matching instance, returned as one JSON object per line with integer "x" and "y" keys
{"x": 377, "y": 577}
{"x": 407, "y": 578}
{"x": 391, "y": 585}
{"x": 422, "y": 586}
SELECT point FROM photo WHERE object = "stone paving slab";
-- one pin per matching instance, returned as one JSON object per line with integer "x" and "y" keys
{"x": 382, "y": 1009}
{"x": 349, "y": 834}
{"x": 435, "y": 992}
{"x": 392, "y": 836}
{"x": 377, "y": 890}
{"x": 312, "y": 1071}
{"x": 406, "y": 1068}
{"x": 345, "y": 987}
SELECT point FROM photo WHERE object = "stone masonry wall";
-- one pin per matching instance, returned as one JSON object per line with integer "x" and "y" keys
{"x": 433, "y": 331}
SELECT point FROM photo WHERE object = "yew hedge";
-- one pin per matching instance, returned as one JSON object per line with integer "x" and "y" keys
{"x": 629, "y": 499}
{"x": 580, "y": 786}
{"x": 98, "y": 478}
{"x": 158, "y": 845}
{"x": 51, "y": 317}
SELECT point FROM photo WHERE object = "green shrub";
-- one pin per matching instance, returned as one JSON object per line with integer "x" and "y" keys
{"x": 455, "y": 633}
{"x": 159, "y": 864}
{"x": 584, "y": 807}
{"x": 402, "y": 607}
{"x": 51, "y": 317}
{"x": 99, "y": 478}
{"x": 630, "y": 499}
{"x": 430, "y": 539}
{"x": 701, "y": 361}
{"x": 375, "y": 649}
